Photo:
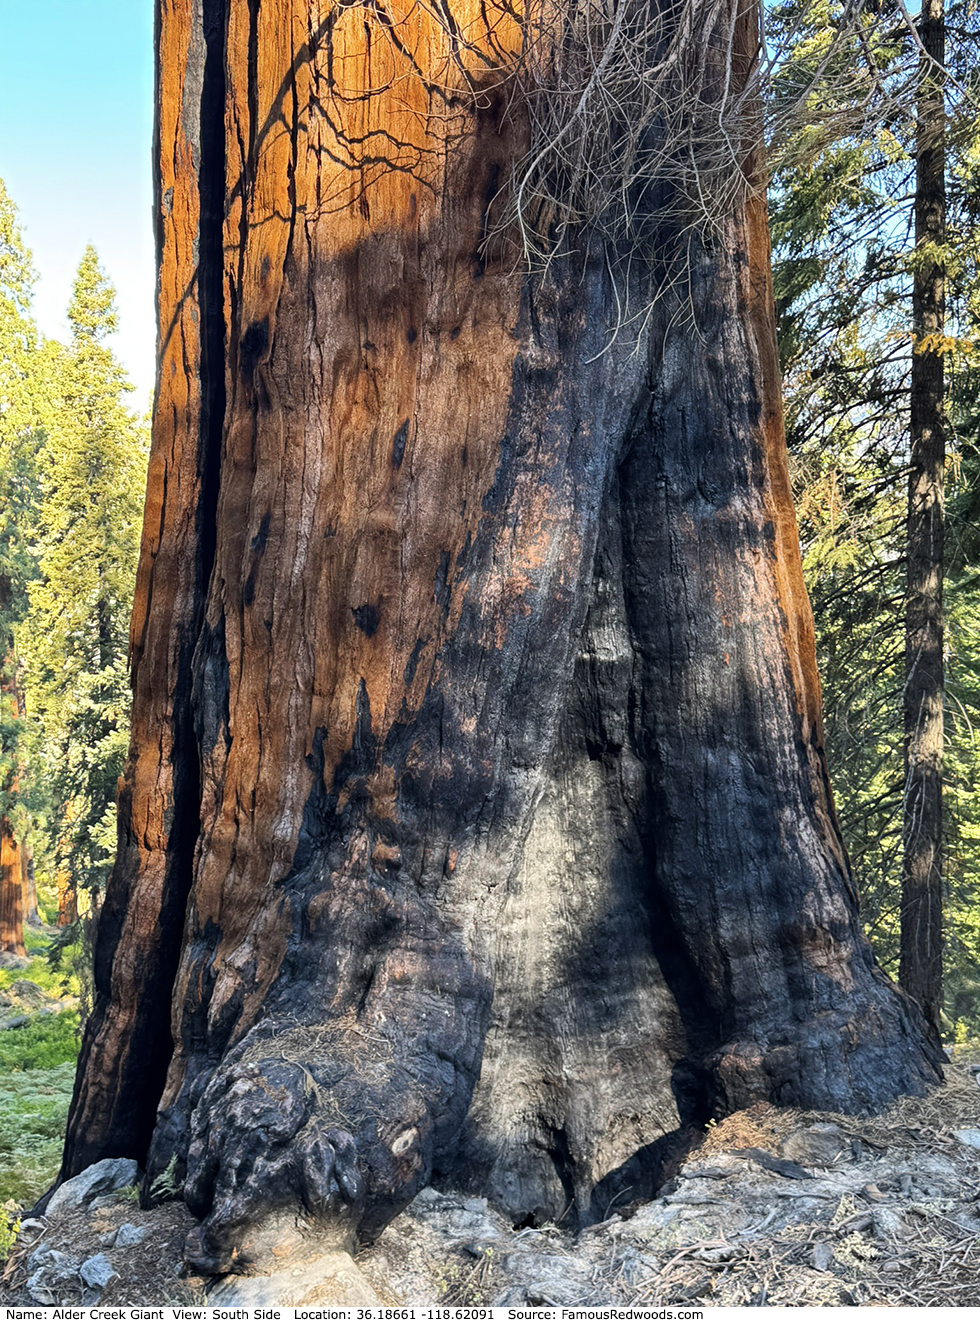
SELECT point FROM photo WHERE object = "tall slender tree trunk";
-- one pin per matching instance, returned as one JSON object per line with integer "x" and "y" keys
{"x": 11, "y": 865}
{"x": 67, "y": 898}
{"x": 31, "y": 914}
{"x": 65, "y": 887}
{"x": 11, "y": 893}
{"x": 476, "y": 824}
{"x": 921, "y": 969}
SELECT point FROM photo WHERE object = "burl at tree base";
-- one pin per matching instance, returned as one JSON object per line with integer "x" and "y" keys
{"x": 476, "y": 827}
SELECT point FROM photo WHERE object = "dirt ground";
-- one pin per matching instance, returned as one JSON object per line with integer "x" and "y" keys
{"x": 774, "y": 1207}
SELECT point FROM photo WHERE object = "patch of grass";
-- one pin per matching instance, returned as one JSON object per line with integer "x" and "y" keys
{"x": 33, "y": 1111}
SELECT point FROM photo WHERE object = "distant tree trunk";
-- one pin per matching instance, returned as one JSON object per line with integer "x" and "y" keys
{"x": 476, "y": 825}
{"x": 11, "y": 893}
{"x": 65, "y": 883}
{"x": 31, "y": 915}
{"x": 921, "y": 965}
{"x": 67, "y": 898}
{"x": 11, "y": 874}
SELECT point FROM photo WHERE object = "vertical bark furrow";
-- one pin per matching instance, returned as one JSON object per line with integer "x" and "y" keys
{"x": 128, "y": 1042}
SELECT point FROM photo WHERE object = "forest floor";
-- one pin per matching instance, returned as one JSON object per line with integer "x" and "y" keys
{"x": 774, "y": 1207}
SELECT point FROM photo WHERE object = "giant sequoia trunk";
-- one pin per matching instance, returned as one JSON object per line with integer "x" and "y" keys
{"x": 476, "y": 825}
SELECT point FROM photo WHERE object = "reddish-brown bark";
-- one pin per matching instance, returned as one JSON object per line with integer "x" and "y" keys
{"x": 67, "y": 898}
{"x": 12, "y": 912}
{"x": 11, "y": 893}
{"x": 476, "y": 825}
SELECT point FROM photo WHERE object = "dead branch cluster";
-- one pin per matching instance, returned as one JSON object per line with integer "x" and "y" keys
{"x": 647, "y": 118}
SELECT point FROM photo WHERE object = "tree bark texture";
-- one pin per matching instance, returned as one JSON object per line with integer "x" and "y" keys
{"x": 67, "y": 898}
{"x": 476, "y": 825}
{"x": 921, "y": 963}
{"x": 31, "y": 914}
{"x": 11, "y": 893}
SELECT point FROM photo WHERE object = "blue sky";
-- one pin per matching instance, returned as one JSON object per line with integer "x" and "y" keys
{"x": 76, "y": 123}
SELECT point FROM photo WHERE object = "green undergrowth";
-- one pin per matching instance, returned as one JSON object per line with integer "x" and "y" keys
{"x": 33, "y": 1111}
{"x": 47, "y": 1041}
{"x": 37, "y": 1071}
{"x": 57, "y": 979}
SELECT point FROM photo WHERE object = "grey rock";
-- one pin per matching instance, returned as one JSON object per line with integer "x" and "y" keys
{"x": 128, "y": 1234}
{"x": 97, "y": 1271}
{"x": 103, "y": 1178}
{"x": 41, "y": 1256}
{"x": 718, "y": 1253}
{"x": 28, "y": 994}
{"x": 635, "y": 1267}
{"x": 552, "y": 1293}
{"x": 971, "y": 1137}
{"x": 552, "y": 1279}
{"x": 459, "y": 1217}
{"x": 105, "y": 1200}
{"x": 888, "y": 1222}
{"x": 51, "y": 1273}
{"x": 817, "y": 1145}
{"x": 512, "y": 1297}
{"x": 822, "y": 1257}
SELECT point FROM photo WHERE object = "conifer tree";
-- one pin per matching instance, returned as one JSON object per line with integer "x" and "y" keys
{"x": 74, "y": 641}
{"x": 18, "y": 417}
{"x": 844, "y": 270}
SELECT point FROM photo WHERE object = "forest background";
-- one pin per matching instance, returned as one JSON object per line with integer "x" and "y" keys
{"x": 73, "y": 453}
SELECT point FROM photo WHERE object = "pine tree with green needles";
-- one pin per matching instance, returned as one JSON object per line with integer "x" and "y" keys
{"x": 74, "y": 639}
{"x": 842, "y": 207}
{"x": 22, "y": 406}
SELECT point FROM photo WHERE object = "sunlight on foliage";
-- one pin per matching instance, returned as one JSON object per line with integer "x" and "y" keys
{"x": 843, "y": 260}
